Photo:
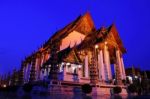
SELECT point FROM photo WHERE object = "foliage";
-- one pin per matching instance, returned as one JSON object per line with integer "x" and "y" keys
{"x": 124, "y": 81}
{"x": 27, "y": 87}
{"x": 86, "y": 88}
{"x": 127, "y": 80}
{"x": 117, "y": 90}
{"x": 132, "y": 88}
{"x": 145, "y": 86}
{"x": 9, "y": 89}
{"x": 13, "y": 88}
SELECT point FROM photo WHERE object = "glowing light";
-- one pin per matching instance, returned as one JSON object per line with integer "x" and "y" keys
{"x": 4, "y": 86}
{"x": 136, "y": 76}
{"x": 67, "y": 63}
{"x": 96, "y": 46}
{"x": 62, "y": 63}
{"x": 79, "y": 66}
{"x": 105, "y": 43}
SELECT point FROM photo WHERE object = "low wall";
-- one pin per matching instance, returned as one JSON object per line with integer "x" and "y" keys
{"x": 72, "y": 87}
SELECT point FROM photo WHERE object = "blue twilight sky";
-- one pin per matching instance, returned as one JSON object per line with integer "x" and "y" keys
{"x": 26, "y": 24}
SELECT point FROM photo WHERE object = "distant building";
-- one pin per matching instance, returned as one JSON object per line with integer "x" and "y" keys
{"x": 133, "y": 71}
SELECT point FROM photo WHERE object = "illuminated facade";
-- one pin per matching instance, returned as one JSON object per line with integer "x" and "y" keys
{"x": 78, "y": 53}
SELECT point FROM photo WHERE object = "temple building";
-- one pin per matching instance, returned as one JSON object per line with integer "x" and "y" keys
{"x": 78, "y": 53}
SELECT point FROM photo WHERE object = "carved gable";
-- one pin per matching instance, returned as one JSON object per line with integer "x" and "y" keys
{"x": 74, "y": 38}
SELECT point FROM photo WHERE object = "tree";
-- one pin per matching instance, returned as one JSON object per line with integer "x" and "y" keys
{"x": 117, "y": 90}
{"x": 86, "y": 88}
{"x": 132, "y": 88}
{"x": 27, "y": 87}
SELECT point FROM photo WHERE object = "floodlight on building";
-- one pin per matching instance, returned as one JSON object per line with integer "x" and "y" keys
{"x": 79, "y": 66}
{"x": 62, "y": 63}
{"x": 4, "y": 86}
{"x": 96, "y": 46}
{"x": 67, "y": 63}
{"x": 105, "y": 43}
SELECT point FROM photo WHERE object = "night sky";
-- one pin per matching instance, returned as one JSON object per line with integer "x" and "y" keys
{"x": 26, "y": 25}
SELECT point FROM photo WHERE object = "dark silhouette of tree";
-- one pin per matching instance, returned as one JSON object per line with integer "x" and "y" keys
{"x": 86, "y": 88}
{"x": 117, "y": 90}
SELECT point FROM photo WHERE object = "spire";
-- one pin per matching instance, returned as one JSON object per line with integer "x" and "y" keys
{"x": 133, "y": 71}
{"x": 145, "y": 75}
{"x": 138, "y": 72}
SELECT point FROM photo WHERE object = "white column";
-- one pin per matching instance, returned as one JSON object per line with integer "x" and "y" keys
{"x": 107, "y": 61}
{"x": 86, "y": 69}
{"x": 45, "y": 72}
{"x": 119, "y": 63}
{"x": 79, "y": 72}
{"x": 27, "y": 72}
{"x": 36, "y": 68}
{"x": 48, "y": 69}
{"x": 42, "y": 60}
{"x": 39, "y": 67}
{"x": 101, "y": 66}
{"x": 41, "y": 74}
{"x": 123, "y": 69}
{"x": 48, "y": 56}
{"x": 64, "y": 72}
{"x": 24, "y": 73}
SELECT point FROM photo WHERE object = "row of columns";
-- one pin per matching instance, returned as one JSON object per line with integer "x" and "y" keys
{"x": 108, "y": 73}
{"x": 104, "y": 66}
{"x": 40, "y": 59}
{"x": 120, "y": 64}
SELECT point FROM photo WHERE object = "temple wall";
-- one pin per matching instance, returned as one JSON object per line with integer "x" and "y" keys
{"x": 68, "y": 77}
{"x": 84, "y": 80}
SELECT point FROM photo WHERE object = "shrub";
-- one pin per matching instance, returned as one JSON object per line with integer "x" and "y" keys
{"x": 124, "y": 81}
{"x": 4, "y": 89}
{"x": 117, "y": 90}
{"x": 0, "y": 89}
{"x": 132, "y": 88}
{"x": 86, "y": 88}
{"x": 27, "y": 87}
{"x": 13, "y": 88}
